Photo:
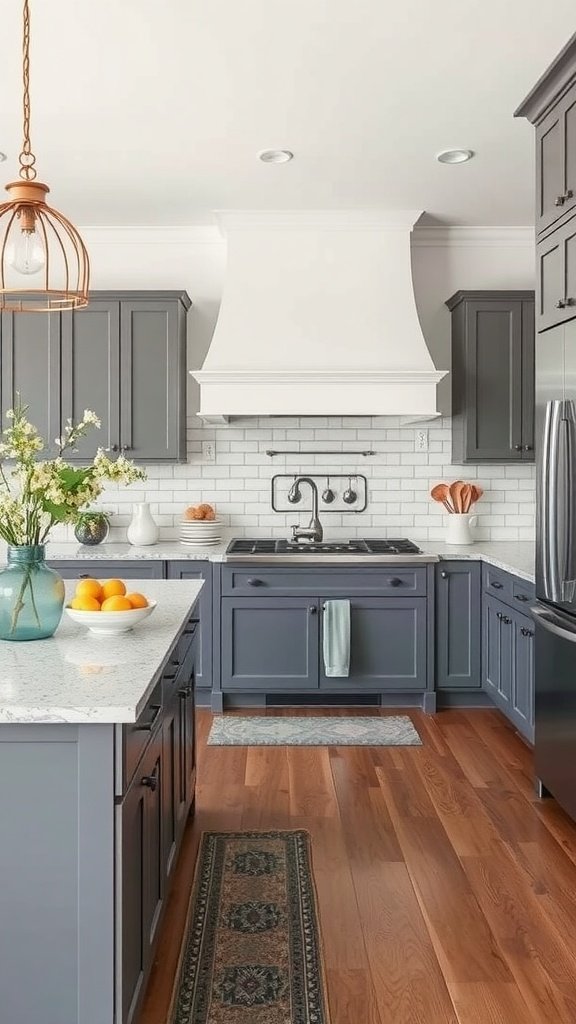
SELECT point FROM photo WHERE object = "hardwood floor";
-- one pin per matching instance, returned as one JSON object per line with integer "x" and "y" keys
{"x": 447, "y": 891}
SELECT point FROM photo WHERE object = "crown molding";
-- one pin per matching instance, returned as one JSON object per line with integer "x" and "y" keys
{"x": 173, "y": 235}
{"x": 324, "y": 220}
{"x": 474, "y": 237}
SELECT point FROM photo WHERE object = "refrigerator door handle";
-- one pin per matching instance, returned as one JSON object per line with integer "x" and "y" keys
{"x": 550, "y": 553}
{"x": 559, "y": 501}
{"x": 553, "y": 624}
{"x": 569, "y": 574}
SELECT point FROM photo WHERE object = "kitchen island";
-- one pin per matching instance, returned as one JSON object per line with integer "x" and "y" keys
{"x": 97, "y": 767}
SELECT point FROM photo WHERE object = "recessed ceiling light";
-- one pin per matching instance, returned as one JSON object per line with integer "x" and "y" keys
{"x": 455, "y": 156}
{"x": 3, "y": 157}
{"x": 276, "y": 156}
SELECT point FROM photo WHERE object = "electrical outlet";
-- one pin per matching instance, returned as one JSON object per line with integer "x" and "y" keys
{"x": 421, "y": 443}
{"x": 208, "y": 451}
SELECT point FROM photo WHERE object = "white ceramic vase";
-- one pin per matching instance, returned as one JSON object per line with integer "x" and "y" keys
{"x": 458, "y": 528}
{"x": 143, "y": 530}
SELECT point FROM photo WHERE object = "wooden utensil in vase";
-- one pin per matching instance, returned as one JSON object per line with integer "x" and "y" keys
{"x": 456, "y": 495}
{"x": 441, "y": 492}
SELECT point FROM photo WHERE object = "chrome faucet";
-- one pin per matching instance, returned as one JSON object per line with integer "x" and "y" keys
{"x": 313, "y": 532}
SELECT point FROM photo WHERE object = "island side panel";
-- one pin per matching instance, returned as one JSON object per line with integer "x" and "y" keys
{"x": 56, "y": 874}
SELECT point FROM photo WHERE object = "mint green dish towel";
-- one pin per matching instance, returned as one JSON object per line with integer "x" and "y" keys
{"x": 337, "y": 638}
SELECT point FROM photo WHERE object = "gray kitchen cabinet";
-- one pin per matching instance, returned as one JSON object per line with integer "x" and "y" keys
{"x": 508, "y": 662}
{"x": 269, "y": 644}
{"x": 556, "y": 162}
{"x": 388, "y": 645}
{"x": 199, "y": 570}
{"x": 556, "y": 277}
{"x": 458, "y": 638}
{"x": 522, "y": 700}
{"x": 30, "y": 369}
{"x": 90, "y": 373}
{"x": 492, "y": 376}
{"x": 104, "y": 569}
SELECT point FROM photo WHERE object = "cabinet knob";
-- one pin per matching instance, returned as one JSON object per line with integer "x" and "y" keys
{"x": 115, "y": 448}
{"x": 125, "y": 448}
{"x": 395, "y": 581}
{"x": 496, "y": 585}
{"x": 312, "y": 609}
{"x": 526, "y": 632}
{"x": 520, "y": 597}
{"x": 499, "y": 615}
{"x": 517, "y": 447}
{"x": 561, "y": 304}
{"x": 444, "y": 574}
{"x": 559, "y": 201}
{"x": 528, "y": 447}
{"x": 253, "y": 582}
{"x": 150, "y": 781}
{"x": 506, "y": 620}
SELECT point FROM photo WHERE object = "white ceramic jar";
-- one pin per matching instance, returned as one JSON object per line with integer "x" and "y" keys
{"x": 458, "y": 528}
{"x": 143, "y": 530}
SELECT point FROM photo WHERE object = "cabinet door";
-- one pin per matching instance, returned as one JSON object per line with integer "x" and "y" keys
{"x": 522, "y": 704}
{"x": 497, "y": 652}
{"x": 528, "y": 380}
{"x": 458, "y": 600}
{"x": 556, "y": 162}
{"x": 91, "y": 373}
{"x": 387, "y": 646}
{"x": 556, "y": 277}
{"x": 494, "y": 381}
{"x": 269, "y": 644}
{"x": 171, "y": 760}
{"x": 199, "y": 571}
{"x": 187, "y": 748}
{"x": 142, "y": 881}
{"x": 152, "y": 380}
{"x": 30, "y": 368}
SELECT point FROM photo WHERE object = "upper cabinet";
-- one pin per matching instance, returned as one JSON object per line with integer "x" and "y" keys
{"x": 492, "y": 376}
{"x": 551, "y": 107}
{"x": 124, "y": 356}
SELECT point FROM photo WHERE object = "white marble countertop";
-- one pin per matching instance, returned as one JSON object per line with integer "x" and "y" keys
{"x": 516, "y": 557}
{"x": 77, "y": 676}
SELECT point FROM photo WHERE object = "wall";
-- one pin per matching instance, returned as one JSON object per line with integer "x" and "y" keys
{"x": 444, "y": 260}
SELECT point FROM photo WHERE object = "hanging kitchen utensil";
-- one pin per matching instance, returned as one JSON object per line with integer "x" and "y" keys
{"x": 441, "y": 493}
{"x": 328, "y": 494}
{"x": 295, "y": 494}
{"x": 456, "y": 495}
{"x": 349, "y": 496}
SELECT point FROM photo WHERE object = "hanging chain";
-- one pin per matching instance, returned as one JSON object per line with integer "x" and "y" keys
{"x": 27, "y": 158}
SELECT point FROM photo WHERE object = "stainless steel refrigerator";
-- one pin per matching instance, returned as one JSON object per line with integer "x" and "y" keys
{"x": 555, "y": 611}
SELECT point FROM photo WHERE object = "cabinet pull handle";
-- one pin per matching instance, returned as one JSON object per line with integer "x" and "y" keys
{"x": 115, "y": 448}
{"x": 148, "y": 726}
{"x": 150, "y": 781}
{"x": 506, "y": 620}
{"x": 517, "y": 447}
{"x": 561, "y": 304}
{"x": 444, "y": 574}
{"x": 395, "y": 581}
{"x": 528, "y": 447}
{"x": 125, "y": 448}
{"x": 254, "y": 582}
{"x": 560, "y": 200}
{"x": 520, "y": 597}
{"x": 313, "y": 609}
{"x": 185, "y": 692}
{"x": 526, "y": 632}
{"x": 496, "y": 585}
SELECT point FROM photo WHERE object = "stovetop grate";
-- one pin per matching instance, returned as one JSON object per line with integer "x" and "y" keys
{"x": 269, "y": 546}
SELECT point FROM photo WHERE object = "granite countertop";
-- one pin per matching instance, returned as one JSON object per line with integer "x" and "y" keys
{"x": 516, "y": 557}
{"x": 77, "y": 676}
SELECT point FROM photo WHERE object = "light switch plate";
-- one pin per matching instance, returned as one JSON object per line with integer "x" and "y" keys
{"x": 208, "y": 451}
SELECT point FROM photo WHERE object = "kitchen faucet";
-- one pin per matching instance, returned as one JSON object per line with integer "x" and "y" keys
{"x": 313, "y": 532}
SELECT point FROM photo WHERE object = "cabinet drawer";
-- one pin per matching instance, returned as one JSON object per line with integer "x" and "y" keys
{"x": 137, "y": 735}
{"x": 103, "y": 569}
{"x": 497, "y": 582}
{"x": 292, "y": 580}
{"x": 523, "y": 593}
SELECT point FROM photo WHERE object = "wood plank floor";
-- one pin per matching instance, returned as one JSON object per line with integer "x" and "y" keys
{"x": 447, "y": 891}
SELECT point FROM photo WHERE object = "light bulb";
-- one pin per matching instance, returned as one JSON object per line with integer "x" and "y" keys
{"x": 27, "y": 254}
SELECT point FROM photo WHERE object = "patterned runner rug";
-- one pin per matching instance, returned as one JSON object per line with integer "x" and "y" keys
{"x": 315, "y": 731}
{"x": 251, "y": 953}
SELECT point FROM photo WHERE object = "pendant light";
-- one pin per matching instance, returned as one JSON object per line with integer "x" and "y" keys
{"x": 44, "y": 264}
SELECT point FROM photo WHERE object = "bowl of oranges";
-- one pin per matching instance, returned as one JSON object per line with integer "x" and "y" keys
{"x": 108, "y": 608}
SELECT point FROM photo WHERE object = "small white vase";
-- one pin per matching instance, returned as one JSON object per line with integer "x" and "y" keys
{"x": 142, "y": 531}
{"x": 458, "y": 528}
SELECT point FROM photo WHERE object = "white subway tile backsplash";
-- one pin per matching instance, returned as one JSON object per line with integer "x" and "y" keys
{"x": 399, "y": 479}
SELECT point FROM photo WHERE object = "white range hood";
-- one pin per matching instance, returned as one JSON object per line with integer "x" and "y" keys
{"x": 318, "y": 318}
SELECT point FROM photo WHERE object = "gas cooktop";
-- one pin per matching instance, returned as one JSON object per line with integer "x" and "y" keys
{"x": 387, "y": 549}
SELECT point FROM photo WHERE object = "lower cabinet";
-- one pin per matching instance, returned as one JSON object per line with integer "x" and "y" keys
{"x": 275, "y": 643}
{"x": 199, "y": 570}
{"x": 458, "y": 607}
{"x": 508, "y": 663}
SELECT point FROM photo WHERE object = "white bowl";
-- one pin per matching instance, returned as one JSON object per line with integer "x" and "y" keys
{"x": 111, "y": 623}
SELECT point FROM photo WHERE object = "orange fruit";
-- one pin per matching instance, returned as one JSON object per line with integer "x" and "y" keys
{"x": 113, "y": 588}
{"x": 137, "y": 600}
{"x": 116, "y": 603}
{"x": 89, "y": 588}
{"x": 85, "y": 603}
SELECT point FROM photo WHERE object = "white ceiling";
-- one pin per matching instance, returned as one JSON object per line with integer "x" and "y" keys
{"x": 153, "y": 111}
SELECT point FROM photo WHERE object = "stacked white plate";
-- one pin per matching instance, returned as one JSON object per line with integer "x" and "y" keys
{"x": 200, "y": 532}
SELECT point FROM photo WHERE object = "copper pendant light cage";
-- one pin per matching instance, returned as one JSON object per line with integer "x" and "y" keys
{"x": 62, "y": 277}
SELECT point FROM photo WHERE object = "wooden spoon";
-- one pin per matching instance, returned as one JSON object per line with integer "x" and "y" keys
{"x": 466, "y": 497}
{"x": 477, "y": 493}
{"x": 456, "y": 495}
{"x": 441, "y": 492}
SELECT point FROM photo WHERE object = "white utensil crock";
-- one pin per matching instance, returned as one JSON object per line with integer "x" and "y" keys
{"x": 143, "y": 530}
{"x": 458, "y": 528}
